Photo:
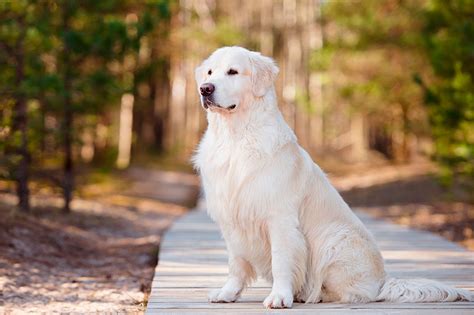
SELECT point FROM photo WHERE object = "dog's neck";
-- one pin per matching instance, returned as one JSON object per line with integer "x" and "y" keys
{"x": 258, "y": 115}
{"x": 250, "y": 111}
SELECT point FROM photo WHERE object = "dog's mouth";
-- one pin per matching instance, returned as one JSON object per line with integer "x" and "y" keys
{"x": 209, "y": 104}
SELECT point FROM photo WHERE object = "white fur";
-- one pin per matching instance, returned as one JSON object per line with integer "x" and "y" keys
{"x": 279, "y": 215}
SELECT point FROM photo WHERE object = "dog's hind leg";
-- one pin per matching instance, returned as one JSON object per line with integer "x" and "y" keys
{"x": 357, "y": 272}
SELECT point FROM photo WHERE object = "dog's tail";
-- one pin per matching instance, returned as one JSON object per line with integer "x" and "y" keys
{"x": 421, "y": 290}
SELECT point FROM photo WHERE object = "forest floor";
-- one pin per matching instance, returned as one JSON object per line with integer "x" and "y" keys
{"x": 99, "y": 258}
{"x": 410, "y": 195}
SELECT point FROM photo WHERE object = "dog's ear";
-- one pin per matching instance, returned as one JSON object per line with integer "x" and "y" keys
{"x": 264, "y": 72}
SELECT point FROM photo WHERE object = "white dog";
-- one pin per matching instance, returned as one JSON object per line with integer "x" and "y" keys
{"x": 279, "y": 215}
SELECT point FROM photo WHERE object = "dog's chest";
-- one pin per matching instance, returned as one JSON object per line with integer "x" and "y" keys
{"x": 229, "y": 171}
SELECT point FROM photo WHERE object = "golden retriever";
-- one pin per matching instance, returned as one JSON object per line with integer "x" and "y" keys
{"x": 279, "y": 215}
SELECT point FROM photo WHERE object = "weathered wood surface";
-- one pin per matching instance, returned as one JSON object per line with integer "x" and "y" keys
{"x": 193, "y": 260}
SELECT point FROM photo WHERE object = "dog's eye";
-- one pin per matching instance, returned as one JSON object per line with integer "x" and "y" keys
{"x": 209, "y": 72}
{"x": 232, "y": 72}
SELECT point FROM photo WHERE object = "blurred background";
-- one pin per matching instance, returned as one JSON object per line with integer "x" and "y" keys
{"x": 95, "y": 95}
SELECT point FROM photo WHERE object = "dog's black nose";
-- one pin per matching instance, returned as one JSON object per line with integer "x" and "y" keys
{"x": 207, "y": 89}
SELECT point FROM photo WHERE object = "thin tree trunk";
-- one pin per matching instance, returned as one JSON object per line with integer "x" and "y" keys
{"x": 405, "y": 148}
{"x": 160, "y": 89}
{"x": 315, "y": 87}
{"x": 68, "y": 183}
{"x": 68, "y": 161}
{"x": 359, "y": 138}
{"x": 266, "y": 35}
{"x": 161, "y": 92}
{"x": 177, "y": 112}
{"x": 20, "y": 125}
{"x": 42, "y": 127}
{"x": 125, "y": 131}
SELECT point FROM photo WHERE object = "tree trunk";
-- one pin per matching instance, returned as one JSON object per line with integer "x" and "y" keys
{"x": 315, "y": 86}
{"x": 68, "y": 162}
{"x": 20, "y": 125}
{"x": 161, "y": 92}
{"x": 405, "y": 147}
{"x": 359, "y": 138}
{"x": 68, "y": 183}
{"x": 177, "y": 105}
{"x": 159, "y": 84}
{"x": 125, "y": 131}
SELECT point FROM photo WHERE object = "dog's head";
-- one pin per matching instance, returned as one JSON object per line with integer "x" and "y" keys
{"x": 231, "y": 75}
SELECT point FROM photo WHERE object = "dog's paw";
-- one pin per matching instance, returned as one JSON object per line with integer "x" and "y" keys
{"x": 279, "y": 300}
{"x": 222, "y": 296}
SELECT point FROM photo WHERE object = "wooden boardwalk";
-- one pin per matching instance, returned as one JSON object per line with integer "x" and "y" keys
{"x": 193, "y": 260}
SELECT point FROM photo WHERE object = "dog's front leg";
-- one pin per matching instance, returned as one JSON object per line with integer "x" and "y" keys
{"x": 288, "y": 262}
{"x": 240, "y": 274}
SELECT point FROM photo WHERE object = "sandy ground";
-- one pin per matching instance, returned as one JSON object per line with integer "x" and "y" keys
{"x": 410, "y": 195}
{"x": 100, "y": 258}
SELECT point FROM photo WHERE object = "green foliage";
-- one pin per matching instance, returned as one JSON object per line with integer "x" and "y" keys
{"x": 94, "y": 45}
{"x": 226, "y": 35}
{"x": 378, "y": 47}
{"x": 223, "y": 34}
{"x": 370, "y": 23}
{"x": 371, "y": 51}
{"x": 449, "y": 43}
{"x": 303, "y": 101}
{"x": 320, "y": 59}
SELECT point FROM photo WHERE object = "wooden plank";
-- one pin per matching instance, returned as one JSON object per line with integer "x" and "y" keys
{"x": 193, "y": 260}
{"x": 304, "y": 312}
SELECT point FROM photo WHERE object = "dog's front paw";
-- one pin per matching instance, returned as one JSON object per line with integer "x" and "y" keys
{"x": 279, "y": 300}
{"x": 222, "y": 296}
